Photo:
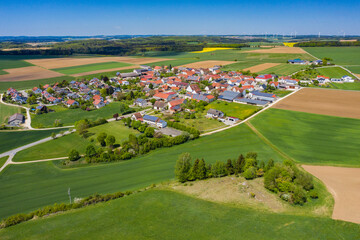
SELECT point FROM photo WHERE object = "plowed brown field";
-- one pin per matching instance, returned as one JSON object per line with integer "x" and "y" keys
{"x": 261, "y": 67}
{"x": 292, "y": 50}
{"x": 207, "y": 64}
{"x": 28, "y": 73}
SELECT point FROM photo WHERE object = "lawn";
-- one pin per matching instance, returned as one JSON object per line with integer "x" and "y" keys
{"x": 156, "y": 214}
{"x": 334, "y": 72}
{"x": 202, "y": 123}
{"x": 232, "y": 109}
{"x": 70, "y": 116}
{"x": 50, "y": 184}
{"x": 91, "y": 67}
{"x": 6, "y": 111}
{"x": 281, "y": 93}
{"x": 284, "y": 69}
{"x": 340, "y": 55}
{"x": 60, "y": 147}
{"x": 13, "y": 139}
{"x": 32, "y": 83}
{"x": 312, "y": 138}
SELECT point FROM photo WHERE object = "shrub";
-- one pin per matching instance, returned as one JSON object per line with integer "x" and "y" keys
{"x": 250, "y": 173}
{"x": 313, "y": 194}
{"x": 74, "y": 155}
{"x": 298, "y": 196}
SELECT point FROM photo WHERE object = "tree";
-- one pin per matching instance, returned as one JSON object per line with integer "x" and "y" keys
{"x": 53, "y": 135}
{"x": 151, "y": 86}
{"x": 101, "y": 138}
{"x": 269, "y": 165}
{"x": 110, "y": 141}
{"x": 116, "y": 115}
{"x": 193, "y": 173}
{"x": 250, "y": 173}
{"x": 229, "y": 167}
{"x": 218, "y": 169}
{"x": 182, "y": 167}
{"x": 251, "y": 155}
{"x": 106, "y": 79}
{"x": 149, "y": 132}
{"x": 90, "y": 151}
{"x": 74, "y": 155}
{"x": 81, "y": 127}
{"x": 153, "y": 100}
{"x": 103, "y": 92}
{"x": 239, "y": 164}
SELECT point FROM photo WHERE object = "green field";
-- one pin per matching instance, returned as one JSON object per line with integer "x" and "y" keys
{"x": 284, "y": 69}
{"x": 91, "y": 67}
{"x": 6, "y": 111}
{"x": 232, "y": 109}
{"x": 32, "y": 83}
{"x": 158, "y": 214}
{"x": 3, "y": 160}
{"x": 13, "y": 139}
{"x": 341, "y": 55}
{"x": 3, "y": 72}
{"x": 346, "y": 86}
{"x": 354, "y": 69}
{"x": 7, "y": 62}
{"x": 60, "y": 147}
{"x": 49, "y": 184}
{"x": 202, "y": 123}
{"x": 70, "y": 116}
{"x": 311, "y": 138}
{"x": 334, "y": 72}
{"x": 108, "y": 74}
{"x": 238, "y": 66}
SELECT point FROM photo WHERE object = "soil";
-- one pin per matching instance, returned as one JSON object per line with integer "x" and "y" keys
{"x": 28, "y": 73}
{"x": 261, "y": 67}
{"x": 207, "y": 64}
{"x": 280, "y": 49}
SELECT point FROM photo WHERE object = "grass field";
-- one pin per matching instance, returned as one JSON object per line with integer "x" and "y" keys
{"x": 91, "y": 67}
{"x": 49, "y": 184}
{"x": 283, "y": 69}
{"x": 311, "y": 138}
{"x": 281, "y": 93}
{"x": 232, "y": 109}
{"x": 20, "y": 85}
{"x": 108, "y": 74}
{"x": 354, "y": 69}
{"x": 70, "y": 116}
{"x": 3, "y": 160}
{"x": 6, "y": 111}
{"x": 346, "y": 86}
{"x": 202, "y": 123}
{"x": 334, "y": 72}
{"x": 60, "y": 147}
{"x": 340, "y": 55}
{"x": 158, "y": 214}
{"x": 240, "y": 65}
{"x": 3, "y": 72}
{"x": 14, "y": 139}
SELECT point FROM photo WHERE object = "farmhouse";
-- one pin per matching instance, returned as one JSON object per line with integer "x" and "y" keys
{"x": 298, "y": 61}
{"x": 140, "y": 102}
{"x": 16, "y": 119}
{"x": 229, "y": 95}
{"x": 213, "y": 113}
{"x": 137, "y": 117}
{"x": 264, "y": 78}
{"x": 154, "y": 121}
{"x": 159, "y": 105}
{"x": 165, "y": 96}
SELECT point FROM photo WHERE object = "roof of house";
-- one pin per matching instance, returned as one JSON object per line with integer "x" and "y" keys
{"x": 164, "y": 95}
{"x": 251, "y": 101}
{"x": 150, "y": 118}
{"x": 16, "y": 116}
{"x": 215, "y": 112}
{"x": 257, "y": 93}
{"x": 159, "y": 104}
{"x": 229, "y": 95}
{"x": 70, "y": 102}
{"x": 138, "y": 115}
{"x": 176, "y": 102}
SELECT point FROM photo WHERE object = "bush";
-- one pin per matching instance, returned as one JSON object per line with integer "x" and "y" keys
{"x": 313, "y": 194}
{"x": 250, "y": 173}
{"x": 74, "y": 155}
{"x": 298, "y": 196}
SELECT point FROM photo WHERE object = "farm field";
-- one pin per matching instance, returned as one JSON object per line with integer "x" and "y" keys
{"x": 232, "y": 109}
{"x": 6, "y": 111}
{"x": 3, "y": 160}
{"x": 177, "y": 216}
{"x": 354, "y": 69}
{"x": 13, "y": 139}
{"x": 324, "y": 101}
{"x": 91, "y": 67}
{"x": 341, "y": 55}
{"x": 154, "y": 167}
{"x": 60, "y": 147}
{"x": 343, "y": 183}
{"x": 238, "y": 66}
{"x": 346, "y": 86}
{"x": 311, "y": 138}
{"x": 261, "y": 67}
{"x": 28, "y": 73}
{"x": 69, "y": 116}
{"x": 334, "y": 72}
{"x": 283, "y": 69}
{"x": 279, "y": 49}
{"x": 207, "y": 64}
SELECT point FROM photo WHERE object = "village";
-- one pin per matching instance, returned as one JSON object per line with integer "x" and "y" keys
{"x": 163, "y": 89}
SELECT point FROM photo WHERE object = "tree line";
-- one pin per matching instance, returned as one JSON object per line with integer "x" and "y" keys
{"x": 327, "y": 44}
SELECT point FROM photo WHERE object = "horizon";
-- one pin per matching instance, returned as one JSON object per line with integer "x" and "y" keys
{"x": 109, "y": 18}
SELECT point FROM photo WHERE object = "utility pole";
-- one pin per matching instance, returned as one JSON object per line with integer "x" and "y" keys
{"x": 69, "y": 193}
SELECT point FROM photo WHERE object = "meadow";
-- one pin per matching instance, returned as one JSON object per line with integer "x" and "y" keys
{"x": 69, "y": 116}
{"x": 176, "y": 216}
{"x": 13, "y": 139}
{"x": 91, "y": 67}
{"x": 6, "y": 111}
{"x": 346, "y": 86}
{"x": 49, "y": 184}
{"x": 341, "y": 55}
{"x": 334, "y": 72}
{"x": 312, "y": 138}
{"x": 60, "y": 147}
{"x": 354, "y": 69}
{"x": 232, "y": 109}
{"x": 283, "y": 69}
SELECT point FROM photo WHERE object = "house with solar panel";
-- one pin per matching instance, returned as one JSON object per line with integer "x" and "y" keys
{"x": 152, "y": 120}
{"x": 229, "y": 96}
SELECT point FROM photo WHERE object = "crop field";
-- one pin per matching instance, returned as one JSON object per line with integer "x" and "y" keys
{"x": 232, "y": 109}
{"x": 3, "y": 160}
{"x": 154, "y": 167}
{"x": 6, "y": 111}
{"x": 91, "y": 67}
{"x": 238, "y": 66}
{"x": 283, "y": 69}
{"x": 355, "y": 69}
{"x": 60, "y": 147}
{"x": 210, "y": 49}
{"x": 27, "y": 73}
{"x": 334, "y": 72}
{"x": 69, "y": 116}
{"x": 207, "y": 64}
{"x": 341, "y": 55}
{"x": 280, "y": 49}
{"x": 312, "y": 138}
{"x": 177, "y": 216}
{"x": 344, "y": 185}
{"x": 324, "y": 101}
{"x": 346, "y": 86}
{"x": 13, "y": 139}
{"x": 261, "y": 67}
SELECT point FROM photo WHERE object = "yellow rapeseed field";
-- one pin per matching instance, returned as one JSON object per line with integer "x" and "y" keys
{"x": 211, "y": 49}
{"x": 290, "y": 44}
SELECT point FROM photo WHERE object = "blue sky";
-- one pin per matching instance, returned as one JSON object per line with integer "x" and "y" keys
{"x": 110, "y": 17}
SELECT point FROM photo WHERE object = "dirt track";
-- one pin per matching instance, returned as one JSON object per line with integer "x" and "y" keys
{"x": 261, "y": 67}
{"x": 344, "y": 185}
{"x": 52, "y": 63}
{"x": 281, "y": 49}
{"x": 28, "y": 73}
{"x": 207, "y": 64}
{"x": 339, "y": 103}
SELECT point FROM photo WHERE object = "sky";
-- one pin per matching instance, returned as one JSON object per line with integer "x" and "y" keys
{"x": 204, "y": 17}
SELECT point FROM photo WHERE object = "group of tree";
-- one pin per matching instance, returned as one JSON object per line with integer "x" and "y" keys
{"x": 292, "y": 184}
{"x": 194, "y": 133}
{"x": 327, "y": 44}
{"x": 82, "y": 126}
